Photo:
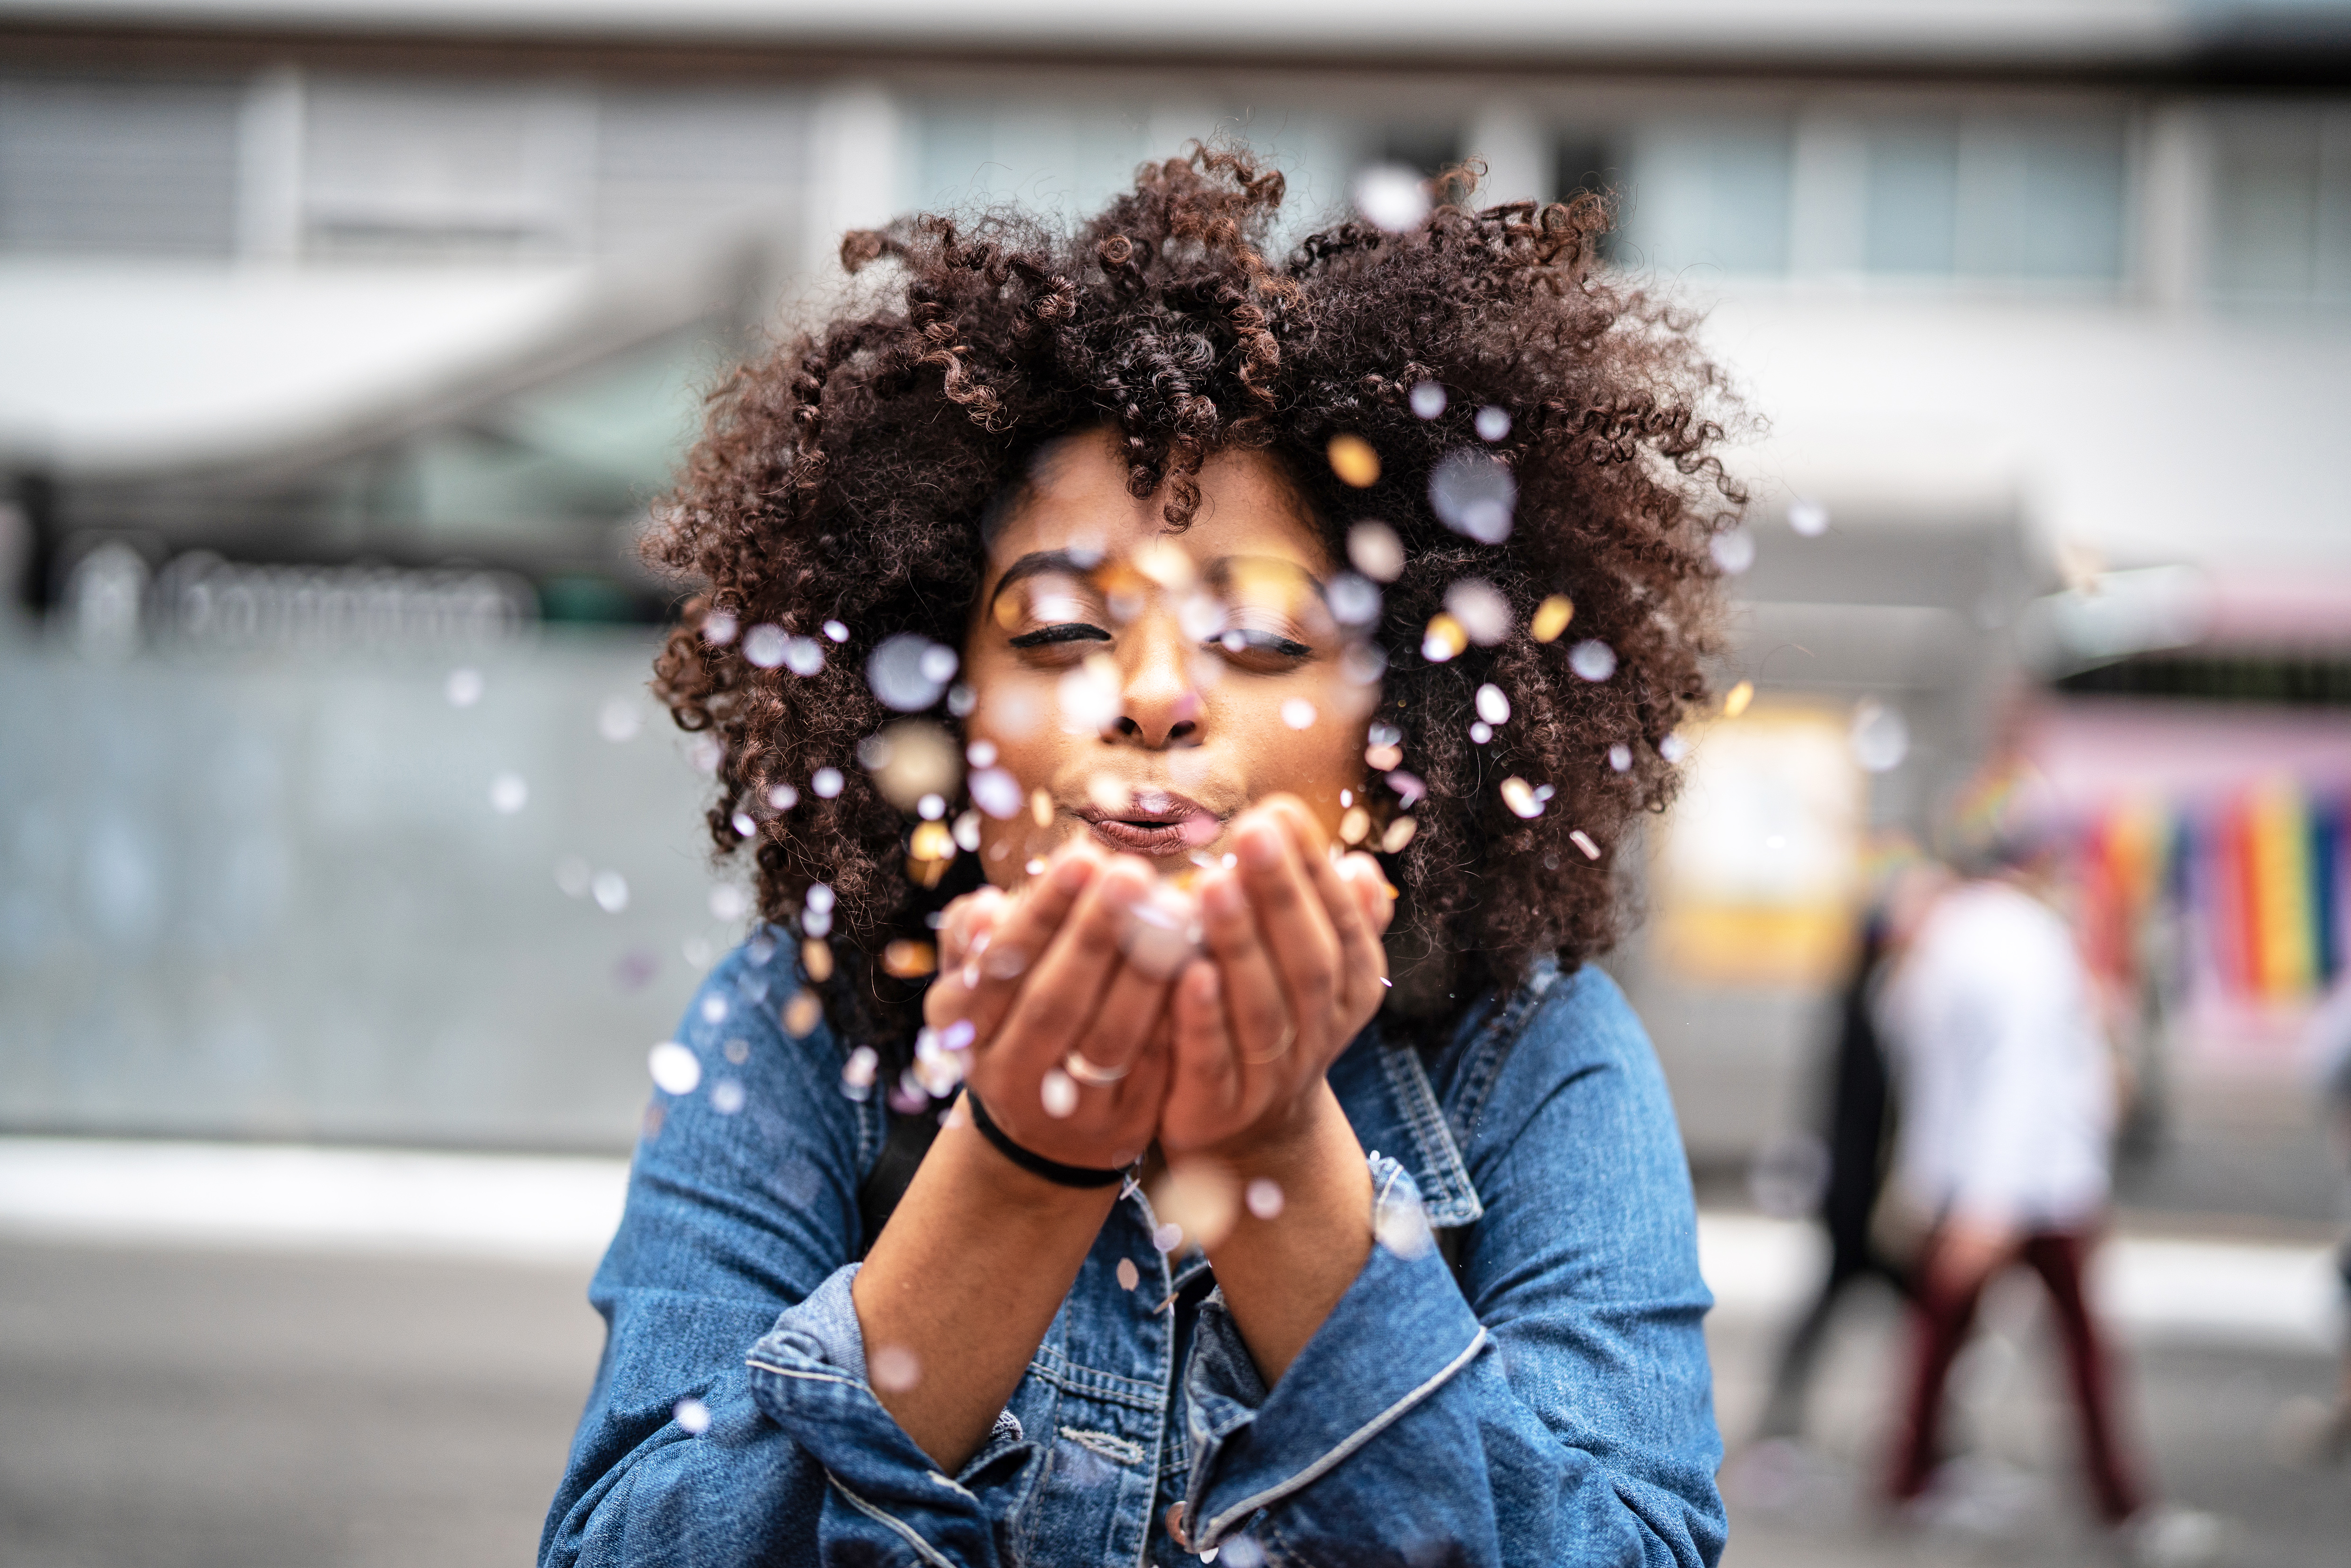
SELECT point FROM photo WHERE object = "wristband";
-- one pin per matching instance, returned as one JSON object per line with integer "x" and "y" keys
{"x": 1035, "y": 1163}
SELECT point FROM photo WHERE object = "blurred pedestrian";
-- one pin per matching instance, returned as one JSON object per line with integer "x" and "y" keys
{"x": 1858, "y": 1112}
{"x": 2008, "y": 1096}
{"x": 2329, "y": 1041}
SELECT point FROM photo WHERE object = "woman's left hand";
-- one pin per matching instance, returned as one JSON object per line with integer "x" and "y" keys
{"x": 1294, "y": 970}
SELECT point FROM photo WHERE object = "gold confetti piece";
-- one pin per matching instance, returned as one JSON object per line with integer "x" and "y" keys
{"x": 1164, "y": 562}
{"x": 1201, "y": 1196}
{"x": 816, "y": 960}
{"x": 1399, "y": 834}
{"x": 1520, "y": 797}
{"x": 802, "y": 1014}
{"x": 1353, "y": 459}
{"x": 1354, "y": 825}
{"x": 1036, "y": 866}
{"x": 909, "y": 960}
{"x": 1384, "y": 758}
{"x": 1040, "y": 807}
{"x": 1375, "y": 550}
{"x": 1445, "y": 639}
{"x": 1582, "y": 841}
{"x": 1552, "y": 617}
{"x": 1735, "y": 702}
{"x": 933, "y": 842}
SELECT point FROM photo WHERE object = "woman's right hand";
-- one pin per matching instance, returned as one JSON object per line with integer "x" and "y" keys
{"x": 1043, "y": 976}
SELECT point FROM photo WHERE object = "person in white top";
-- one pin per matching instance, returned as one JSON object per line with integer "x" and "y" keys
{"x": 2008, "y": 1100}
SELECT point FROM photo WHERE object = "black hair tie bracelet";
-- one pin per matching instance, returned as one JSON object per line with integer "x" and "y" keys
{"x": 1035, "y": 1163}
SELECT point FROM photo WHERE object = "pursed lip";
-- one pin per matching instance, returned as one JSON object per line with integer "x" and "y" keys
{"x": 1156, "y": 823}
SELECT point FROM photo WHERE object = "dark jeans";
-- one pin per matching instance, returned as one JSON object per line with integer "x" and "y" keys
{"x": 1943, "y": 1318}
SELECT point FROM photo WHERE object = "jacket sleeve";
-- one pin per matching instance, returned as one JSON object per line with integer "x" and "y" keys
{"x": 1553, "y": 1406}
{"x": 730, "y": 1420}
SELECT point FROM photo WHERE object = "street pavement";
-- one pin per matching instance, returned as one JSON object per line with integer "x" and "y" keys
{"x": 274, "y": 1392}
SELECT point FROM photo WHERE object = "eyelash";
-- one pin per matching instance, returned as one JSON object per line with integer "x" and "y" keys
{"x": 1079, "y": 631}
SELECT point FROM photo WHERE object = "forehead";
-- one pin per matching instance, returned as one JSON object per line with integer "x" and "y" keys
{"x": 1075, "y": 497}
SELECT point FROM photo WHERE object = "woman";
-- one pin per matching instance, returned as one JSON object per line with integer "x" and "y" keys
{"x": 1073, "y": 623}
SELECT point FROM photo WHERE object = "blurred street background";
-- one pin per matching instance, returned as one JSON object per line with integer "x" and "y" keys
{"x": 348, "y": 872}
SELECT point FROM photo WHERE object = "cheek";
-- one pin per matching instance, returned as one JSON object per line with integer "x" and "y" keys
{"x": 1307, "y": 739}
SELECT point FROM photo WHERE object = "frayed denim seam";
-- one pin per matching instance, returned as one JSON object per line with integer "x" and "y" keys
{"x": 1339, "y": 1452}
{"x": 929, "y": 1553}
{"x": 1455, "y": 1201}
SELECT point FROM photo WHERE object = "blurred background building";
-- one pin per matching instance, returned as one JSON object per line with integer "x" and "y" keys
{"x": 345, "y": 343}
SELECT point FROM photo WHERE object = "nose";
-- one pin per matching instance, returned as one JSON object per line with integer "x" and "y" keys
{"x": 1158, "y": 705}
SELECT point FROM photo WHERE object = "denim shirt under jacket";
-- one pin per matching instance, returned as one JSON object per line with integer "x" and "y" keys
{"x": 1549, "y": 1404}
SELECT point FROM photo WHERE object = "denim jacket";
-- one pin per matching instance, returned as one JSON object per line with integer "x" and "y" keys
{"x": 1546, "y": 1400}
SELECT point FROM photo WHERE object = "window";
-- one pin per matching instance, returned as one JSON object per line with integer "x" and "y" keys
{"x": 2281, "y": 205}
{"x": 1910, "y": 202}
{"x": 136, "y": 166}
{"x": 1708, "y": 194}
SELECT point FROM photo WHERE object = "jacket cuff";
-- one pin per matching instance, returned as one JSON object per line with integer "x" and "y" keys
{"x": 808, "y": 1376}
{"x": 1399, "y": 1334}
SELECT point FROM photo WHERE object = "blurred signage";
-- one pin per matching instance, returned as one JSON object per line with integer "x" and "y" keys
{"x": 1756, "y": 877}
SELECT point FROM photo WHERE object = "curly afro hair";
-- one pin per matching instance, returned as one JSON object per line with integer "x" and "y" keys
{"x": 846, "y": 478}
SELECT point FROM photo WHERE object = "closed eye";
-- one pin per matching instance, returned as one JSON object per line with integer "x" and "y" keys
{"x": 1068, "y": 632}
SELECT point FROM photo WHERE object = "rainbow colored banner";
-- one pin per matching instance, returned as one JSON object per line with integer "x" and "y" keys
{"x": 2261, "y": 878}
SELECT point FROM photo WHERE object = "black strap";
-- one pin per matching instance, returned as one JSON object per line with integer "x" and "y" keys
{"x": 1035, "y": 1163}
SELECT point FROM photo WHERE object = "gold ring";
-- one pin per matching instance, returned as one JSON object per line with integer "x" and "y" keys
{"x": 1092, "y": 1073}
{"x": 1280, "y": 1050}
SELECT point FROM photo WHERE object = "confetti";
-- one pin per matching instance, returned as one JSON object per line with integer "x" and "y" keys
{"x": 1582, "y": 841}
{"x": 1445, "y": 639}
{"x": 705, "y": 752}
{"x": 1427, "y": 400}
{"x": 571, "y": 874}
{"x": 1354, "y": 826}
{"x": 894, "y": 1369}
{"x": 820, "y": 897}
{"x": 1089, "y": 697}
{"x": 1264, "y": 1198}
{"x": 1298, "y": 714}
{"x": 1036, "y": 866}
{"x": 1481, "y": 732}
{"x": 1492, "y": 424}
{"x": 803, "y": 656}
{"x": 692, "y": 1416}
{"x": 1734, "y": 701}
{"x": 996, "y": 792}
{"x": 816, "y": 960}
{"x": 714, "y": 1009}
{"x": 1382, "y": 758}
{"x": 1162, "y": 931}
{"x": 1592, "y": 659}
{"x": 1520, "y": 797}
{"x": 931, "y": 807}
{"x": 1474, "y": 493}
{"x": 463, "y": 688}
{"x": 1200, "y": 1197}
{"x": 728, "y": 902}
{"x": 783, "y": 796}
{"x": 1059, "y": 1092}
{"x": 910, "y": 759}
{"x": 1620, "y": 756}
{"x": 1808, "y": 517}
{"x": 802, "y": 1014}
{"x": 1375, "y": 550}
{"x": 508, "y": 794}
{"x": 1167, "y": 1238}
{"x": 737, "y": 1050}
{"x": 718, "y": 628}
{"x": 611, "y": 889}
{"x": 1479, "y": 605}
{"x": 619, "y": 719}
{"x": 1353, "y": 461}
{"x": 727, "y": 1096}
{"x": 1363, "y": 662}
{"x": 825, "y": 783}
{"x": 1733, "y": 551}
{"x": 932, "y": 841}
{"x": 1399, "y": 834}
{"x": 909, "y": 960}
{"x": 764, "y": 645}
{"x": 909, "y": 671}
{"x": 1164, "y": 562}
{"x": 1493, "y": 706}
{"x": 858, "y": 1073}
{"x": 966, "y": 831}
{"x": 675, "y": 1069}
{"x": 1552, "y": 617}
{"x": 1355, "y": 600}
{"x": 743, "y": 825}
{"x": 1673, "y": 749}
{"x": 1879, "y": 737}
{"x": 1408, "y": 787}
{"x": 836, "y": 631}
{"x": 1391, "y": 196}
{"x": 1129, "y": 1276}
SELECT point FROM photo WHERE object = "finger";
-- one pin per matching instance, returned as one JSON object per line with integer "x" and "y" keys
{"x": 983, "y": 989}
{"x": 1256, "y": 1010}
{"x": 1290, "y": 919}
{"x": 1205, "y": 1080}
{"x": 1362, "y": 960}
{"x": 1066, "y": 985}
{"x": 967, "y": 921}
{"x": 1134, "y": 1005}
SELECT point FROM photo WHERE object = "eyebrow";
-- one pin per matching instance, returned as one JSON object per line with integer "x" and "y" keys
{"x": 1041, "y": 563}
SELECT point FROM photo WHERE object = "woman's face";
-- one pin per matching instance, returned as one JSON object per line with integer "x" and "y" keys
{"x": 1146, "y": 686}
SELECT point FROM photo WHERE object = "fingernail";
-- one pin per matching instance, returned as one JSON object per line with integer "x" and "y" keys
{"x": 1260, "y": 846}
{"x": 1222, "y": 898}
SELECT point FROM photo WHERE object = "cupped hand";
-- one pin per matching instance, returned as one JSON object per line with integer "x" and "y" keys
{"x": 1295, "y": 969}
{"x": 1045, "y": 982}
